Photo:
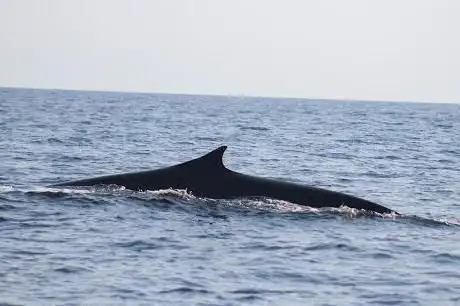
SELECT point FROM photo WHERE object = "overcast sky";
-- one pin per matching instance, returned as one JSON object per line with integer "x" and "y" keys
{"x": 357, "y": 49}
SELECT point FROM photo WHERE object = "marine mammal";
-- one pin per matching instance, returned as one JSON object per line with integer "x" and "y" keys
{"x": 207, "y": 176}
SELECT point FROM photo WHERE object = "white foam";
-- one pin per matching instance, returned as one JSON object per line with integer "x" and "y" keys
{"x": 6, "y": 188}
{"x": 38, "y": 189}
{"x": 178, "y": 193}
{"x": 58, "y": 190}
{"x": 448, "y": 221}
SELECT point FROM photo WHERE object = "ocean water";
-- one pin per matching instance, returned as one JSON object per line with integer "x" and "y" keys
{"x": 110, "y": 246}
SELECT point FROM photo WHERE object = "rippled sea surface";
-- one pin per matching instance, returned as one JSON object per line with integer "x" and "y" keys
{"x": 110, "y": 246}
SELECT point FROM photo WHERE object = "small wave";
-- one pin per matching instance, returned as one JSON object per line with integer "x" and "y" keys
{"x": 446, "y": 258}
{"x": 151, "y": 244}
{"x": 204, "y": 138}
{"x": 254, "y": 128}
{"x": 30, "y": 253}
{"x": 71, "y": 270}
{"x": 67, "y": 158}
{"x": 381, "y": 255}
{"x": 8, "y": 304}
{"x": 54, "y": 140}
{"x": 138, "y": 245}
{"x": 185, "y": 290}
{"x": 79, "y": 140}
{"x": 264, "y": 247}
{"x": 261, "y": 291}
{"x": 252, "y": 294}
{"x": 331, "y": 246}
{"x": 8, "y": 206}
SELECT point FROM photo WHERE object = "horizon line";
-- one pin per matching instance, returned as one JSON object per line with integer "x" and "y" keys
{"x": 227, "y": 95}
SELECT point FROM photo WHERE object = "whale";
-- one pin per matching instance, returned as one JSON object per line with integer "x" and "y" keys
{"x": 207, "y": 177}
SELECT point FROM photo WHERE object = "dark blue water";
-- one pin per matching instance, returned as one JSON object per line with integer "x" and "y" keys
{"x": 110, "y": 246}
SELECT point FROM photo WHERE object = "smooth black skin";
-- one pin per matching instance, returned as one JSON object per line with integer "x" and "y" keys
{"x": 207, "y": 177}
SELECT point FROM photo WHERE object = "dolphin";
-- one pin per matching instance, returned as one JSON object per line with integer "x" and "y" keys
{"x": 207, "y": 177}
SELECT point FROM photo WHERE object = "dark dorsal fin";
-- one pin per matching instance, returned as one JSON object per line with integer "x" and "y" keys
{"x": 210, "y": 161}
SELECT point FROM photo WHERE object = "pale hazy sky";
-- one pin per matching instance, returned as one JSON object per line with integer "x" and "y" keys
{"x": 356, "y": 49}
